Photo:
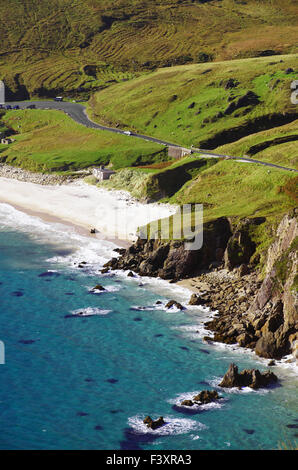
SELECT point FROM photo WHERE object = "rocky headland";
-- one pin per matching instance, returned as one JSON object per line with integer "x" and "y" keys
{"x": 253, "y": 290}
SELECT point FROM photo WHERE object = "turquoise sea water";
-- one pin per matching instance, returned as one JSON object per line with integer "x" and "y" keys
{"x": 87, "y": 382}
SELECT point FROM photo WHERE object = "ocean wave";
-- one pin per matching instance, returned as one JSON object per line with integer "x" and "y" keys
{"x": 172, "y": 426}
{"x": 89, "y": 312}
{"x": 76, "y": 247}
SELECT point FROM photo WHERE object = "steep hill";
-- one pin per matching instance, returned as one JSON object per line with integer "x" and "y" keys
{"x": 209, "y": 105}
{"x": 81, "y": 45}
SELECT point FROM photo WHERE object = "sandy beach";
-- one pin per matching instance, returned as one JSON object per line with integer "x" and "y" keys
{"x": 114, "y": 214}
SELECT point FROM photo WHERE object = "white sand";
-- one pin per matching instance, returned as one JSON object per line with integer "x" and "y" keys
{"x": 114, "y": 214}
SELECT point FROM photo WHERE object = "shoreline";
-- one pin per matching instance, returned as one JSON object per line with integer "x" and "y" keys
{"x": 80, "y": 230}
{"x": 114, "y": 214}
{"x": 187, "y": 287}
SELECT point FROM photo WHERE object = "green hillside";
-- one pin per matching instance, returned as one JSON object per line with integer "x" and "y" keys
{"x": 207, "y": 105}
{"x": 77, "y": 46}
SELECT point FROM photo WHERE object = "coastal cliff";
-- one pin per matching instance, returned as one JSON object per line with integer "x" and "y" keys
{"x": 254, "y": 291}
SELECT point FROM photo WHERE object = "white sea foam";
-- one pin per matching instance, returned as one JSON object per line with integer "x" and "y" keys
{"x": 109, "y": 288}
{"x": 173, "y": 426}
{"x": 216, "y": 380}
{"x": 89, "y": 311}
{"x": 75, "y": 247}
{"x": 215, "y": 405}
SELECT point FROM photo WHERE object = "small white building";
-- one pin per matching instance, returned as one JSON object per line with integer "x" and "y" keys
{"x": 2, "y": 92}
{"x": 102, "y": 173}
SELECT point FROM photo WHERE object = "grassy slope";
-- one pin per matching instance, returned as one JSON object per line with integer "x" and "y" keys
{"x": 49, "y": 44}
{"x": 239, "y": 190}
{"x": 182, "y": 104}
{"x": 50, "y": 140}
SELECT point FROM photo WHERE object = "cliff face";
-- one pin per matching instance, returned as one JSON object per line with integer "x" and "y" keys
{"x": 169, "y": 259}
{"x": 276, "y": 302}
{"x": 258, "y": 314}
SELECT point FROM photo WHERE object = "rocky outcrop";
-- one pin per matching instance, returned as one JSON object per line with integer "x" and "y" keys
{"x": 261, "y": 315}
{"x": 247, "y": 378}
{"x": 203, "y": 398}
{"x": 170, "y": 260}
{"x": 255, "y": 312}
{"x": 150, "y": 423}
{"x": 174, "y": 303}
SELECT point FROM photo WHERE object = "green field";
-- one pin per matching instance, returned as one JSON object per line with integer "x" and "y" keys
{"x": 51, "y": 141}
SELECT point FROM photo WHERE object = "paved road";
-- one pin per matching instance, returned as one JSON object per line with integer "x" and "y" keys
{"x": 78, "y": 113}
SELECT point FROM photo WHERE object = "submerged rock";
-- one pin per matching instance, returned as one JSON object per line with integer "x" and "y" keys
{"x": 247, "y": 378}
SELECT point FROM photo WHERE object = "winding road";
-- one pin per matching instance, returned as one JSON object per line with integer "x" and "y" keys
{"x": 78, "y": 113}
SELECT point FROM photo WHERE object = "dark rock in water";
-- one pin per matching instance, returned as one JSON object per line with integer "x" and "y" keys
{"x": 89, "y": 379}
{"x": 158, "y": 302}
{"x": 130, "y": 274}
{"x": 247, "y": 378}
{"x": 17, "y": 293}
{"x": 203, "y": 382}
{"x": 187, "y": 403}
{"x": 112, "y": 381}
{"x": 49, "y": 274}
{"x": 69, "y": 293}
{"x": 292, "y": 426}
{"x": 186, "y": 410}
{"x": 82, "y": 413}
{"x": 249, "y": 431}
{"x": 137, "y": 319}
{"x": 104, "y": 271}
{"x": 98, "y": 427}
{"x": 97, "y": 287}
{"x": 184, "y": 348}
{"x": 203, "y": 398}
{"x": 154, "y": 424}
{"x": 206, "y": 396}
{"x": 271, "y": 363}
{"x": 159, "y": 335}
{"x": 173, "y": 303}
{"x": 204, "y": 351}
{"x": 27, "y": 341}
